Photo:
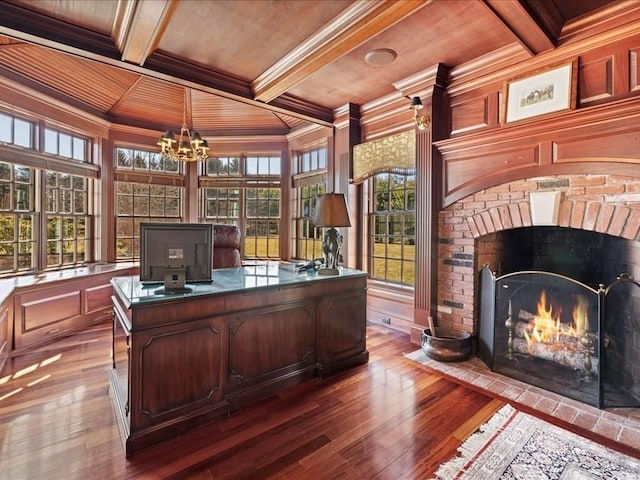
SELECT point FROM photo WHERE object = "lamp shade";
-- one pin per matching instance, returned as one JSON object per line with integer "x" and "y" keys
{"x": 416, "y": 103}
{"x": 331, "y": 211}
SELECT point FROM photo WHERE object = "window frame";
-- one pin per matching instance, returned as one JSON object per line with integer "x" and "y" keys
{"x": 376, "y": 262}
{"x": 244, "y": 182}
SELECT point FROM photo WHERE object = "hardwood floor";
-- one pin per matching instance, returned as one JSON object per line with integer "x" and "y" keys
{"x": 388, "y": 419}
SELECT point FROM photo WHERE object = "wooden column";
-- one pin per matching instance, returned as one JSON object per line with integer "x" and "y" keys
{"x": 347, "y": 134}
{"x": 428, "y": 202}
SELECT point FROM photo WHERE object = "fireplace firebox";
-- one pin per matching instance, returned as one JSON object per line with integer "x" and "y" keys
{"x": 559, "y": 334}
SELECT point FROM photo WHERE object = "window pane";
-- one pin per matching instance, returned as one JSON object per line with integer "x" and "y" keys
{"x": 5, "y": 196}
{"x": 252, "y": 166}
{"x": 5, "y": 171}
{"x": 79, "y": 149}
{"x": 50, "y": 141}
{"x": 22, "y": 134}
{"x": 123, "y": 158}
{"x": 64, "y": 141}
{"x": 6, "y": 128}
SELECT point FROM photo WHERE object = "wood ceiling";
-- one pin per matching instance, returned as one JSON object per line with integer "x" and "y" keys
{"x": 255, "y": 66}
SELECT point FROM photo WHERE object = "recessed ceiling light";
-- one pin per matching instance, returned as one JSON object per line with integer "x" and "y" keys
{"x": 380, "y": 57}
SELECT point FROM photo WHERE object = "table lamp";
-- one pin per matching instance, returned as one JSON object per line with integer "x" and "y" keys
{"x": 331, "y": 212}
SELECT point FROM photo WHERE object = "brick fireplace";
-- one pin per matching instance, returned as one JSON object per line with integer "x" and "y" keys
{"x": 600, "y": 203}
{"x": 593, "y": 240}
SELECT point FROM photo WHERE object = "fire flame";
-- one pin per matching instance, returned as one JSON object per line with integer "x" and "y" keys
{"x": 545, "y": 325}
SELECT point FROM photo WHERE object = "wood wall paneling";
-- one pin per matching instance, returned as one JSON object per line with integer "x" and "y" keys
{"x": 462, "y": 171}
{"x": 595, "y": 80}
{"x": 471, "y": 114}
{"x": 4, "y": 332}
{"x": 49, "y": 310}
{"x": 39, "y": 311}
{"x": 634, "y": 69}
{"x": 614, "y": 146}
{"x": 97, "y": 298}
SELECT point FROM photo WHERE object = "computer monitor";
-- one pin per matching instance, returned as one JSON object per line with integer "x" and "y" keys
{"x": 175, "y": 254}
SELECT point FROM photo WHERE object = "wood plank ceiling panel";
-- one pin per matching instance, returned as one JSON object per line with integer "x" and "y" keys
{"x": 154, "y": 101}
{"x": 214, "y": 113}
{"x": 95, "y": 84}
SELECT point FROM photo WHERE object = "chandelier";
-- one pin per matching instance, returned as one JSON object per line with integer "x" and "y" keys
{"x": 191, "y": 146}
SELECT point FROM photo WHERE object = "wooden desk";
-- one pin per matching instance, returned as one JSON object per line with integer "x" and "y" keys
{"x": 181, "y": 360}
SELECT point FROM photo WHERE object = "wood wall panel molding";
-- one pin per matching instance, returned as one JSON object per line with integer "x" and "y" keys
{"x": 596, "y": 80}
{"x": 482, "y": 73}
{"x": 97, "y": 298}
{"x": 464, "y": 171}
{"x": 619, "y": 147}
{"x": 42, "y": 311}
{"x": 471, "y": 115}
{"x": 634, "y": 69}
{"x": 601, "y": 139}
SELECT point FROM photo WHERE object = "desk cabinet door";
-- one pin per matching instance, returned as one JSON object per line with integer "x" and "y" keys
{"x": 270, "y": 343}
{"x": 341, "y": 326}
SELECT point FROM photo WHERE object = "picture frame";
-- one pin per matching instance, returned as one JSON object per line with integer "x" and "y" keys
{"x": 548, "y": 91}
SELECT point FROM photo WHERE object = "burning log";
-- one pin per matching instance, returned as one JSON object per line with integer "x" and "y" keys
{"x": 549, "y": 339}
{"x": 573, "y": 358}
{"x": 525, "y": 330}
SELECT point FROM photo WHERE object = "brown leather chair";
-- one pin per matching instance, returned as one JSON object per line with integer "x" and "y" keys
{"x": 226, "y": 246}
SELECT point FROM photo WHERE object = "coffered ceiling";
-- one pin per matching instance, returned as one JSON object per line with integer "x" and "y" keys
{"x": 256, "y": 66}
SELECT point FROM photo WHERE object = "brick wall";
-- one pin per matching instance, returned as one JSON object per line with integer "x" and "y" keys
{"x": 601, "y": 203}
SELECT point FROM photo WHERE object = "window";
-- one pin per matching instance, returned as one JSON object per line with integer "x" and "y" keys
{"x": 244, "y": 190}
{"x": 223, "y": 166}
{"x": 46, "y": 219}
{"x": 67, "y": 217}
{"x": 65, "y": 145}
{"x": 15, "y": 131}
{"x": 392, "y": 228}
{"x": 309, "y": 183}
{"x": 144, "y": 161}
{"x": 262, "y": 222}
{"x": 17, "y": 219}
{"x": 222, "y": 205}
{"x": 154, "y": 198}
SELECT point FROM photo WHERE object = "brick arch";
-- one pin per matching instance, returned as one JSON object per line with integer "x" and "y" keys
{"x": 602, "y": 217}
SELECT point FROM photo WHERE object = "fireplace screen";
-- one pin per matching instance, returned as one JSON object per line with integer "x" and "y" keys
{"x": 556, "y": 333}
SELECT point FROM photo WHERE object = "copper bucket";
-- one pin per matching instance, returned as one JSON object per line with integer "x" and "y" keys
{"x": 451, "y": 345}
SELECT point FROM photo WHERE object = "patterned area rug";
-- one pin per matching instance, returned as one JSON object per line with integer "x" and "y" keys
{"x": 516, "y": 446}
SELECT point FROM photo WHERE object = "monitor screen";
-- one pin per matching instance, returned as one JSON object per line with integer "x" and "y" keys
{"x": 182, "y": 251}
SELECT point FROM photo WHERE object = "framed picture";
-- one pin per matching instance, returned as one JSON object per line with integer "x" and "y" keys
{"x": 549, "y": 91}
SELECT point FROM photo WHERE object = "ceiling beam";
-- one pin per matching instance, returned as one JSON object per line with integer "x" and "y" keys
{"x": 521, "y": 23}
{"x": 138, "y": 26}
{"x": 357, "y": 24}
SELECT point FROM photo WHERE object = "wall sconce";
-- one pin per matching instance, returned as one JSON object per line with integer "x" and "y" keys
{"x": 421, "y": 122}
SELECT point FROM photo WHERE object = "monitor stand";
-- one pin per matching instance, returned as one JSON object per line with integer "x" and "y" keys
{"x": 174, "y": 279}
